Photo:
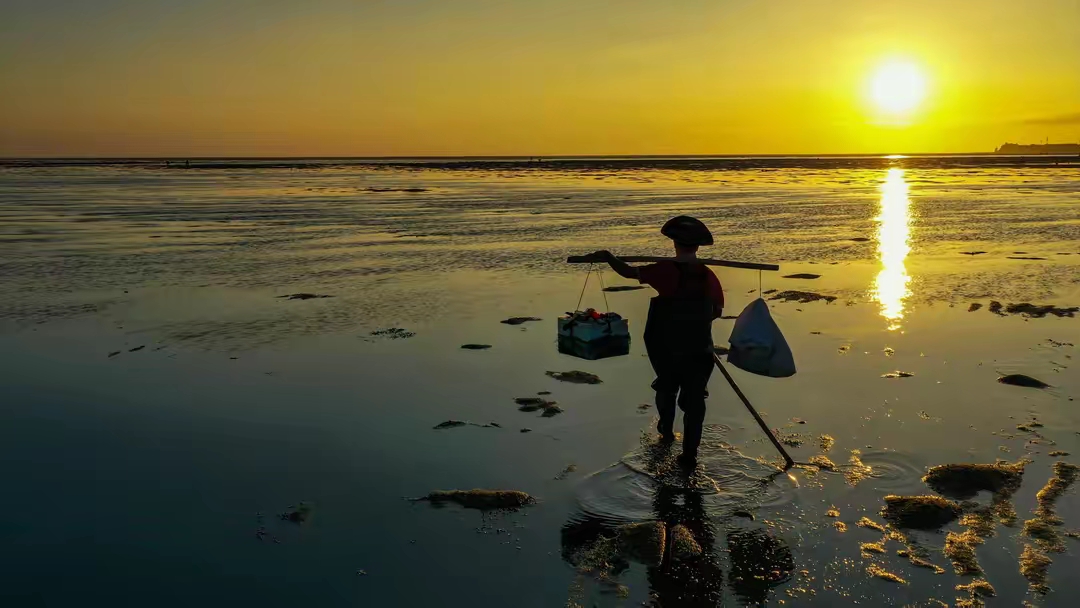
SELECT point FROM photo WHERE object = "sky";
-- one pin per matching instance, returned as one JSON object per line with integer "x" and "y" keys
{"x": 190, "y": 78}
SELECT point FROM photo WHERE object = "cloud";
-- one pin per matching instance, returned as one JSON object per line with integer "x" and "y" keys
{"x": 1073, "y": 118}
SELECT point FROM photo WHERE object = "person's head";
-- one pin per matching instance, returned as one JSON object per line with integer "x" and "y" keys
{"x": 684, "y": 248}
{"x": 687, "y": 233}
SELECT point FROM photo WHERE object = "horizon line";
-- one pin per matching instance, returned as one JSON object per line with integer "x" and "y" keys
{"x": 525, "y": 156}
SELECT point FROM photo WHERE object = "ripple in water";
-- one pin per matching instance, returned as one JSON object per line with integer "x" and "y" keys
{"x": 726, "y": 480}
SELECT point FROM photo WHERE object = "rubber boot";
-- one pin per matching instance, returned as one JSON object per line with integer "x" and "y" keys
{"x": 665, "y": 406}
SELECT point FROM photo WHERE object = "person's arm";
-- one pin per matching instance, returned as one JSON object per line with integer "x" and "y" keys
{"x": 716, "y": 294}
{"x": 620, "y": 267}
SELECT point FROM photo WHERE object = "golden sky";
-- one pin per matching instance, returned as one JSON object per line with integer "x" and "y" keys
{"x": 510, "y": 77}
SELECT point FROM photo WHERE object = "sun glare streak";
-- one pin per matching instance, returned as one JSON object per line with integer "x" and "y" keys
{"x": 894, "y": 231}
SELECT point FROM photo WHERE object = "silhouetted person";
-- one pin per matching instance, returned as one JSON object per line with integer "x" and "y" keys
{"x": 678, "y": 333}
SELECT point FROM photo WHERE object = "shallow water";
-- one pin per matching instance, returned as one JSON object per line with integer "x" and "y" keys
{"x": 137, "y": 478}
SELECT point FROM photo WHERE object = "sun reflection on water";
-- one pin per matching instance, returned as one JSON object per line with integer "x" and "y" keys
{"x": 894, "y": 230}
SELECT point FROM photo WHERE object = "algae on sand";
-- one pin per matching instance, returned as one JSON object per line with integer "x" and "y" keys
{"x": 825, "y": 442}
{"x": 1043, "y": 528}
{"x": 866, "y": 522}
{"x": 642, "y": 542}
{"x": 822, "y": 462}
{"x": 919, "y": 512}
{"x": 519, "y": 320}
{"x": 920, "y": 562}
{"x": 856, "y": 471}
{"x": 483, "y": 500}
{"x": 533, "y": 404}
{"x": 878, "y": 547}
{"x": 960, "y": 548}
{"x": 978, "y": 587}
{"x": 963, "y": 481}
{"x": 1034, "y": 566}
{"x": 1064, "y": 476}
{"x": 802, "y": 297}
{"x": 1022, "y": 380}
{"x": 1039, "y": 311}
{"x": 980, "y": 521}
{"x": 1045, "y": 534}
{"x": 576, "y": 377}
{"x": 683, "y": 545}
{"x": 879, "y": 572}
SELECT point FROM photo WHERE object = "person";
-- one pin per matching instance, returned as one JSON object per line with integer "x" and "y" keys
{"x": 678, "y": 332}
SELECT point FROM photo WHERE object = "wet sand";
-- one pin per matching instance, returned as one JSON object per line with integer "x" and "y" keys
{"x": 169, "y": 466}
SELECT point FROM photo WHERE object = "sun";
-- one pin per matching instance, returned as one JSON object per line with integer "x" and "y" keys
{"x": 898, "y": 87}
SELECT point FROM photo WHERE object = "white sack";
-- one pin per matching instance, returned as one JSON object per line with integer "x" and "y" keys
{"x": 757, "y": 345}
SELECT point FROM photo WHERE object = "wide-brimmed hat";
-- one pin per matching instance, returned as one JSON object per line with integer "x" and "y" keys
{"x": 686, "y": 230}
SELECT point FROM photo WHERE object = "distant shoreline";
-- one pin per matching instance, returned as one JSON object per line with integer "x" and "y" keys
{"x": 515, "y": 158}
{"x": 566, "y": 163}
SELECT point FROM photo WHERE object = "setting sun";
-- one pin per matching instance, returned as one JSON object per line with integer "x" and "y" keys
{"x": 898, "y": 87}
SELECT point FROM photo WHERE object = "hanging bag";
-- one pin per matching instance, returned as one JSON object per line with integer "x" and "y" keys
{"x": 758, "y": 346}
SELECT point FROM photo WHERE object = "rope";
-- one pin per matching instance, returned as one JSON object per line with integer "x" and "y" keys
{"x": 600, "y": 275}
{"x": 578, "y": 306}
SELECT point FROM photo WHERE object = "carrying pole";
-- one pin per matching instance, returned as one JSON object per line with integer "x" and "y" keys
{"x": 589, "y": 259}
{"x": 787, "y": 459}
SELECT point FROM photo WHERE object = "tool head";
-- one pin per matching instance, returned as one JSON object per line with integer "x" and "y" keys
{"x": 686, "y": 230}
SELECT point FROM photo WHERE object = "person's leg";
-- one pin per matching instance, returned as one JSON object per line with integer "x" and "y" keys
{"x": 666, "y": 398}
{"x": 665, "y": 407}
{"x": 691, "y": 401}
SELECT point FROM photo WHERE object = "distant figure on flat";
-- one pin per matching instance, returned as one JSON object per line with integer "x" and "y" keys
{"x": 678, "y": 333}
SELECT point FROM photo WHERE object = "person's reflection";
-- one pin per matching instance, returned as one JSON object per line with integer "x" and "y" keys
{"x": 759, "y": 562}
{"x": 690, "y": 574}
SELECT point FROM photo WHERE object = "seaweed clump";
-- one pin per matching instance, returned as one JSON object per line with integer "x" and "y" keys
{"x": 866, "y": 522}
{"x": 822, "y": 462}
{"x": 825, "y": 442}
{"x": 919, "y": 512}
{"x": 682, "y": 545}
{"x": 960, "y": 548}
{"x": 532, "y": 404}
{"x": 856, "y": 471}
{"x": 1039, "y": 311}
{"x": 963, "y": 481}
{"x": 1064, "y": 476}
{"x": 519, "y": 320}
{"x": 976, "y": 589}
{"x": 1043, "y": 528}
{"x": 1022, "y": 380}
{"x": 879, "y": 572}
{"x": 576, "y": 377}
{"x": 482, "y": 500}
{"x": 299, "y": 514}
{"x": 919, "y": 561}
{"x": 878, "y": 547}
{"x": 642, "y": 542}
{"x": 1034, "y": 566}
{"x": 802, "y": 297}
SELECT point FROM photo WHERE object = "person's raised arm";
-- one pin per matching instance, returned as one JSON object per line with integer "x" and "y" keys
{"x": 620, "y": 267}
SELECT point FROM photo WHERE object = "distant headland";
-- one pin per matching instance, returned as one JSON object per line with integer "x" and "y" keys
{"x": 1038, "y": 149}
